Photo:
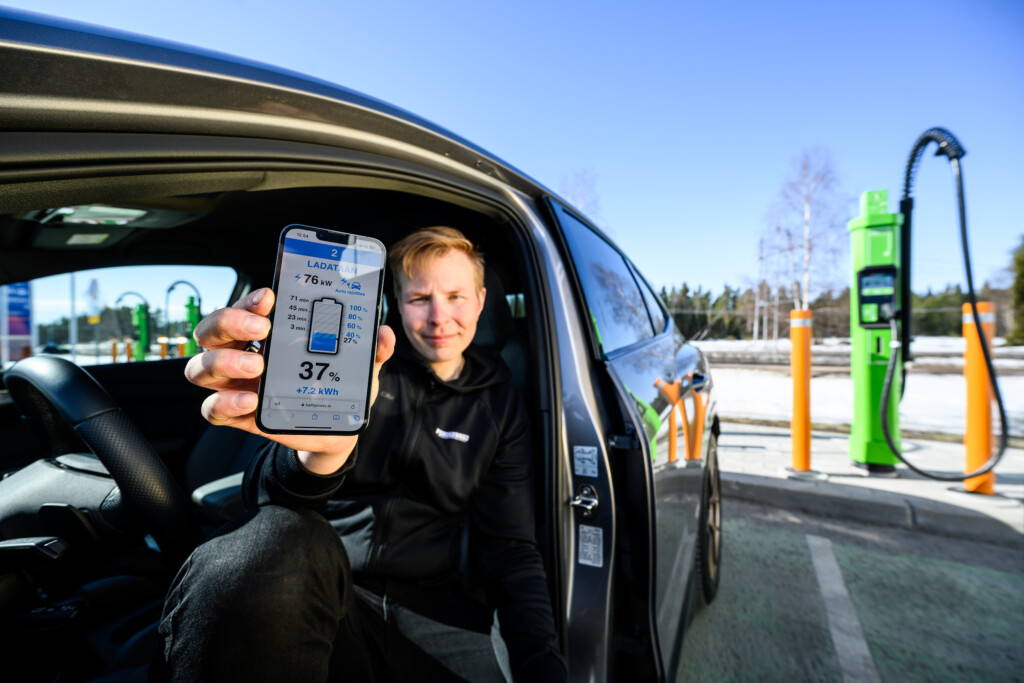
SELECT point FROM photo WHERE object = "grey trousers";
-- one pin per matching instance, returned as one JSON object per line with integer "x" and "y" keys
{"x": 274, "y": 600}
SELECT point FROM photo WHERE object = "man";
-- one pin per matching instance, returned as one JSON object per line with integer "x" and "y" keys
{"x": 447, "y": 446}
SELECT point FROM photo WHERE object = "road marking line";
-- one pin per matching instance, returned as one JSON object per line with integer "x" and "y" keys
{"x": 855, "y": 660}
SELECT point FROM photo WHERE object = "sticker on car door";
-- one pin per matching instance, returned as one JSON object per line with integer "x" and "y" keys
{"x": 584, "y": 461}
{"x": 591, "y": 546}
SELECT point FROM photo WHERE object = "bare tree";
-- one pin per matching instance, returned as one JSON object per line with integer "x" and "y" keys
{"x": 808, "y": 218}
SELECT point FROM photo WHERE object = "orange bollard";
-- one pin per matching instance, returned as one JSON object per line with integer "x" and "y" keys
{"x": 978, "y": 433}
{"x": 670, "y": 392}
{"x": 127, "y": 351}
{"x": 700, "y": 408}
{"x": 673, "y": 436}
{"x": 113, "y": 352}
{"x": 800, "y": 327}
{"x": 181, "y": 347}
{"x": 163, "y": 347}
{"x": 681, "y": 407}
{"x": 692, "y": 436}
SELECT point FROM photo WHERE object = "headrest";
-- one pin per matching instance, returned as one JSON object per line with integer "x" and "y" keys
{"x": 495, "y": 325}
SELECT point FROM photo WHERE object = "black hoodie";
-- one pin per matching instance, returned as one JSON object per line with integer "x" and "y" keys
{"x": 435, "y": 456}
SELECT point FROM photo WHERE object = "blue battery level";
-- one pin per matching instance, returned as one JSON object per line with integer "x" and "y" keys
{"x": 326, "y": 326}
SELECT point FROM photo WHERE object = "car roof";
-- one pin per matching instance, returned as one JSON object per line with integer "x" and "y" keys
{"x": 140, "y": 84}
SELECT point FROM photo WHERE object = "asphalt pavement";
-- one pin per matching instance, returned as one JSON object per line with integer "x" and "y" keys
{"x": 847, "y": 576}
{"x": 754, "y": 460}
{"x": 809, "y": 598}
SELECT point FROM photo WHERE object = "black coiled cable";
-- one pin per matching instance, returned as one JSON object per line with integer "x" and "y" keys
{"x": 950, "y": 147}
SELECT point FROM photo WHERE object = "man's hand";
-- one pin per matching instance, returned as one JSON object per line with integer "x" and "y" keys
{"x": 233, "y": 374}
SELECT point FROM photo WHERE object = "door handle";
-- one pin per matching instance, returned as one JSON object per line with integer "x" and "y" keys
{"x": 586, "y": 500}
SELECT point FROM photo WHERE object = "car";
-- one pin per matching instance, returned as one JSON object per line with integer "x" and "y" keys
{"x": 54, "y": 348}
{"x": 126, "y": 152}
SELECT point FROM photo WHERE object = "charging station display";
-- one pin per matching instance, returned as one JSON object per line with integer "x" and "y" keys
{"x": 876, "y": 294}
{"x": 319, "y": 356}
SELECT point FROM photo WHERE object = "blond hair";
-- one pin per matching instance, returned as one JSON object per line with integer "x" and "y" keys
{"x": 430, "y": 243}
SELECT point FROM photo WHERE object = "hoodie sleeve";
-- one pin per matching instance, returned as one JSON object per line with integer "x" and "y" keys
{"x": 275, "y": 477}
{"x": 506, "y": 552}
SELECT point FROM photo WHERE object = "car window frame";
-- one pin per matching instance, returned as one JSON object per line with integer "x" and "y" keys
{"x": 554, "y": 205}
{"x": 647, "y": 289}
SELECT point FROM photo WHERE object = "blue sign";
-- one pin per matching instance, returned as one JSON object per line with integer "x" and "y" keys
{"x": 19, "y": 310}
{"x": 15, "y": 321}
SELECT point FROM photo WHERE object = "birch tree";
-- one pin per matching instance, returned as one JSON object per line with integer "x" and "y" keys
{"x": 808, "y": 220}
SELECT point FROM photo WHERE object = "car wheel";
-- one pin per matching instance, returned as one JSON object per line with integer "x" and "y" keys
{"x": 709, "y": 542}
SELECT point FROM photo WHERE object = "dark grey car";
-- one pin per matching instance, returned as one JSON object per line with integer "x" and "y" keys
{"x": 204, "y": 159}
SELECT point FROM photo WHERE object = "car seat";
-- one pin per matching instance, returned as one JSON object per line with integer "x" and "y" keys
{"x": 214, "y": 471}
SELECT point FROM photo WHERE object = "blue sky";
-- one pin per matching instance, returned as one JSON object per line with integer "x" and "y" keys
{"x": 686, "y": 115}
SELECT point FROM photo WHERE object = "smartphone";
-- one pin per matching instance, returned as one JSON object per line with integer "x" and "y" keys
{"x": 323, "y": 335}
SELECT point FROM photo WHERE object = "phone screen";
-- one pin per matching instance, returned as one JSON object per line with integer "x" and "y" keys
{"x": 319, "y": 355}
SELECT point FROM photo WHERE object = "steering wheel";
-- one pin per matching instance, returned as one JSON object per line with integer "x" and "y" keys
{"x": 58, "y": 394}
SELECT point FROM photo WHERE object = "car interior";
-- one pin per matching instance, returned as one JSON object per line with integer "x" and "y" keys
{"x": 89, "y": 601}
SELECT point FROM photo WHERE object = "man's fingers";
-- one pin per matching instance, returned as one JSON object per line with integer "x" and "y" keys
{"x": 246, "y": 320}
{"x": 259, "y": 301}
{"x": 385, "y": 345}
{"x": 226, "y": 327}
{"x": 231, "y": 408}
{"x": 214, "y": 369}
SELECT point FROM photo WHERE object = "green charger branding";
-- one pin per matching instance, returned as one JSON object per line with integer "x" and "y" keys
{"x": 320, "y": 352}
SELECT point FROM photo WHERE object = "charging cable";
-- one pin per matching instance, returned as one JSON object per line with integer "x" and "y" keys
{"x": 950, "y": 147}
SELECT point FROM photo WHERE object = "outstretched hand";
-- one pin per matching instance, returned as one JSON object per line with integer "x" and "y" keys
{"x": 233, "y": 374}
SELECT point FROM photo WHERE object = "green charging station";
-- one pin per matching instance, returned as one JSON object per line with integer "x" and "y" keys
{"x": 191, "y": 320}
{"x": 140, "y": 320}
{"x": 880, "y": 318}
{"x": 875, "y": 244}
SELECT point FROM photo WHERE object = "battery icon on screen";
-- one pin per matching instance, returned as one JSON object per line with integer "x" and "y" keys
{"x": 326, "y": 326}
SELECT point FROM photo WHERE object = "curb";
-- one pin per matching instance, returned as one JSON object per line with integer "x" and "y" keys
{"x": 871, "y": 506}
{"x": 832, "y": 428}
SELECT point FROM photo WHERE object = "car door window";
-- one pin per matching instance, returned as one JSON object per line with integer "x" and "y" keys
{"x": 130, "y": 313}
{"x": 618, "y": 313}
{"x": 659, "y": 315}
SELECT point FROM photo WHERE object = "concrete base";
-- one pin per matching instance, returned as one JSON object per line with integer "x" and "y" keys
{"x": 990, "y": 500}
{"x": 803, "y": 475}
{"x": 873, "y": 470}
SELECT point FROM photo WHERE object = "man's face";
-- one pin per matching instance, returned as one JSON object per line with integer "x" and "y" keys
{"x": 440, "y": 306}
